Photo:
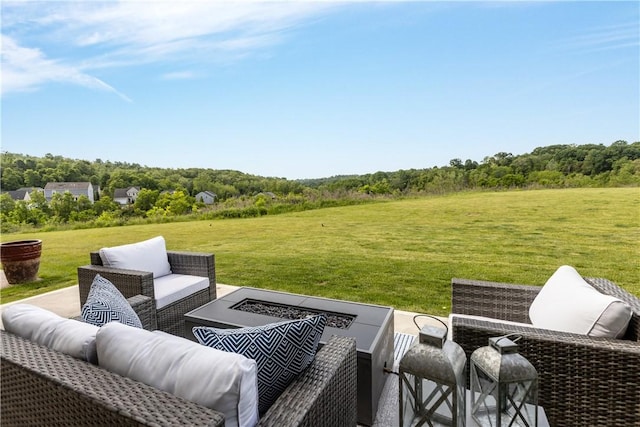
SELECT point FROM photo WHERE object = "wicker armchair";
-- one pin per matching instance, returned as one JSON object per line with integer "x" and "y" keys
{"x": 131, "y": 282}
{"x": 582, "y": 380}
{"x": 40, "y": 386}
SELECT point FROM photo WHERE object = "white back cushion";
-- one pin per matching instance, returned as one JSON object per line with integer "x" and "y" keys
{"x": 173, "y": 287}
{"x": 149, "y": 255}
{"x": 568, "y": 303}
{"x": 68, "y": 336}
{"x": 225, "y": 382}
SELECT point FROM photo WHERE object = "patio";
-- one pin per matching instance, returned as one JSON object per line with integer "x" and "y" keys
{"x": 65, "y": 302}
{"x": 544, "y": 346}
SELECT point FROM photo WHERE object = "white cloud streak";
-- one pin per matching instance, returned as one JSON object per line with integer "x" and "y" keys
{"x": 620, "y": 36}
{"x": 24, "y": 69}
{"x": 68, "y": 42}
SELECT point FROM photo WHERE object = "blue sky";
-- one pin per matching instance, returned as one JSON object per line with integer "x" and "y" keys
{"x": 315, "y": 89}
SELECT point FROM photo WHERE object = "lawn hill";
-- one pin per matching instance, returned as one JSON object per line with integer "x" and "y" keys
{"x": 392, "y": 238}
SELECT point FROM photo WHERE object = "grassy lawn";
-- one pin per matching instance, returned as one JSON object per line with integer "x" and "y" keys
{"x": 399, "y": 253}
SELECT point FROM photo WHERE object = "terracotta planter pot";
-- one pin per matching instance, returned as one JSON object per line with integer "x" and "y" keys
{"x": 21, "y": 260}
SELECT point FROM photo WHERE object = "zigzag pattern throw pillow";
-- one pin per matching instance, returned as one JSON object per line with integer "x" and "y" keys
{"x": 281, "y": 350}
{"x": 106, "y": 304}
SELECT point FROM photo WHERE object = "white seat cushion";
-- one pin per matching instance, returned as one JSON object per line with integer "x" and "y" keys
{"x": 68, "y": 336}
{"x": 174, "y": 287}
{"x": 149, "y": 255}
{"x": 570, "y": 304}
{"x": 223, "y": 381}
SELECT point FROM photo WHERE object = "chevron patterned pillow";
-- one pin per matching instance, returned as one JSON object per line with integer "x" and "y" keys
{"x": 281, "y": 350}
{"x": 106, "y": 304}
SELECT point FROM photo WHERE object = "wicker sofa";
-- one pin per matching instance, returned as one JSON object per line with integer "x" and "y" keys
{"x": 40, "y": 386}
{"x": 583, "y": 380}
{"x": 170, "y": 318}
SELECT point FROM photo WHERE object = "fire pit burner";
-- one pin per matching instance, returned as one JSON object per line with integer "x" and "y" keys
{"x": 334, "y": 320}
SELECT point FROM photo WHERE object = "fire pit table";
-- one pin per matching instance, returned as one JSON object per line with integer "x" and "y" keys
{"x": 371, "y": 326}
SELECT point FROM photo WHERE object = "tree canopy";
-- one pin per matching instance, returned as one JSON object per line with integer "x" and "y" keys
{"x": 167, "y": 192}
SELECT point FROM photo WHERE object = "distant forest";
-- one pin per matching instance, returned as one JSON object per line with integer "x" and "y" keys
{"x": 240, "y": 194}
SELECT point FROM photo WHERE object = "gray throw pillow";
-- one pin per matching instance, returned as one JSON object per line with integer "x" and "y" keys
{"x": 106, "y": 304}
{"x": 281, "y": 350}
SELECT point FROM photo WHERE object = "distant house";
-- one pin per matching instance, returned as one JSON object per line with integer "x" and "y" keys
{"x": 23, "y": 193}
{"x": 206, "y": 197}
{"x": 77, "y": 189}
{"x": 126, "y": 196}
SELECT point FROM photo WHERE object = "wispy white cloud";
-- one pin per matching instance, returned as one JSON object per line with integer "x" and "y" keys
{"x": 25, "y": 69}
{"x": 69, "y": 41}
{"x": 620, "y": 36}
{"x": 180, "y": 75}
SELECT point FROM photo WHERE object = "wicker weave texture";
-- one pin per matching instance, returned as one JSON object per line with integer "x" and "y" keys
{"x": 131, "y": 282}
{"x": 583, "y": 381}
{"x": 43, "y": 387}
{"x": 325, "y": 395}
{"x": 40, "y": 386}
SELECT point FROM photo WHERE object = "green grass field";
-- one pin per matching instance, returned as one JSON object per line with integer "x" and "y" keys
{"x": 401, "y": 253}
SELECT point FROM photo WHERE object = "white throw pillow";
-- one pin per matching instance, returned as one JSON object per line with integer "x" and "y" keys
{"x": 149, "y": 255}
{"x": 225, "y": 382}
{"x": 570, "y": 304}
{"x": 68, "y": 336}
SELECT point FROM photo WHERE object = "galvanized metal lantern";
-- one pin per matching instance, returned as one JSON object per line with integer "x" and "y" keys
{"x": 504, "y": 386}
{"x": 432, "y": 381}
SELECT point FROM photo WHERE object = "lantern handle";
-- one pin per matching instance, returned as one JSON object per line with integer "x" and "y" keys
{"x": 432, "y": 317}
{"x": 517, "y": 338}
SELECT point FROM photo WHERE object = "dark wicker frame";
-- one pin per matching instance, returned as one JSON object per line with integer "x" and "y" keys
{"x": 40, "y": 386}
{"x": 582, "y": 380}
{"x": 132, "y": 282}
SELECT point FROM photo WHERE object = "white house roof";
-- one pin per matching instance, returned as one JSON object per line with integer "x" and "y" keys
{"x": 67, "y": 185}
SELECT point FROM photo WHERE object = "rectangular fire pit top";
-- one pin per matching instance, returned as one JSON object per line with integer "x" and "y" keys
{"x": 364, "y": 320}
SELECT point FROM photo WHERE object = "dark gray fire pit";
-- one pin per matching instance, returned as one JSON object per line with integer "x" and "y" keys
{"x": 371, "y": 325}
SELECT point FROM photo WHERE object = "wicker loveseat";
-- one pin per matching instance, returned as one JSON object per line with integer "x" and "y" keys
{"x": 40, "y": 386}
{"x": 583, "y": 380}
{"x": 170, "y": 318}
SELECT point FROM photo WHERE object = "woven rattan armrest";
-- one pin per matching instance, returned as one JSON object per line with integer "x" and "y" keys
{"x": 325, "y": 395}
{"x": 40, "y": 386}
{"x": 128, "y": 282}
{"x": 193, "y": 263}
{"x": 502, "y": 301}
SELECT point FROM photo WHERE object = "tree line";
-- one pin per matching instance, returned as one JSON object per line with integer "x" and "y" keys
{"x": 169, "y": 193}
